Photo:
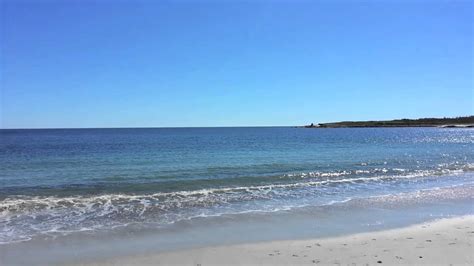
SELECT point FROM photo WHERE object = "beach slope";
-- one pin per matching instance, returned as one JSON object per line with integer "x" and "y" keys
{"x": 441, "y": 242}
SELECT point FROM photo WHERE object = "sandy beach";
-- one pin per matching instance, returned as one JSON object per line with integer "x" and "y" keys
{"x": 441, "y": 242}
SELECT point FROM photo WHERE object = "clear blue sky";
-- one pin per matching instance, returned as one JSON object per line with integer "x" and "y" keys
{"x": 225, "y": 63}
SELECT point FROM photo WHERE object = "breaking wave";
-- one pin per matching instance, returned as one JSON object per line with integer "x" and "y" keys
{"x": 23, "y": 217}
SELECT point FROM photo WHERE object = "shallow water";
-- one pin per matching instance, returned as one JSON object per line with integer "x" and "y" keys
{"x": 60, "y": 182}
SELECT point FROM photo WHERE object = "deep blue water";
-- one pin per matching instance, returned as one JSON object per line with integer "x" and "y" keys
{"x": 67, "y": 180}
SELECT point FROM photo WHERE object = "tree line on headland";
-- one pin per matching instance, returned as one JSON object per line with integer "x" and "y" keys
{"x": 463, "y": 121}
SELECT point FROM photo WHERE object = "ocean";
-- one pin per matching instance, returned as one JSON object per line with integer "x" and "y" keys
{"x": 60, "y": 182}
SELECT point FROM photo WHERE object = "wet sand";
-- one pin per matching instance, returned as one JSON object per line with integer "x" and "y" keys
{"x": 441, "y": 242}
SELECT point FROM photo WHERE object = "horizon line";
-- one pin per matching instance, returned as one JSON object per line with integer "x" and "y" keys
{"x": 247, "y": 126}
{"x": 45, "y": 128}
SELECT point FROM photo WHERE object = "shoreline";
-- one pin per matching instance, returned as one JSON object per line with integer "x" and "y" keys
{"x": 457, "y": 122}
{"x": 234, "y": 235}
{"x": 445, "y": 241}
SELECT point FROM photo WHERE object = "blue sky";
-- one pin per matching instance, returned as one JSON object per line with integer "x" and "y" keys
{"x": 225, "y": 63}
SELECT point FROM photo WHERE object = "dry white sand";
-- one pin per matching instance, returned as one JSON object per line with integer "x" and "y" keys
{"x": 442, "y": 242}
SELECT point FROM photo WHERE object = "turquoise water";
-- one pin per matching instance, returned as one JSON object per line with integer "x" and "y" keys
{"x": 63, "y": 181}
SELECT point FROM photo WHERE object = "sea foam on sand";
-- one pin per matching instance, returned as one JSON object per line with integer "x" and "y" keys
{"x": 442, "y": 242}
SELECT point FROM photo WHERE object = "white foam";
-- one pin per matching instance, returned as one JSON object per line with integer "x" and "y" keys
{"x": 23, "y": 217}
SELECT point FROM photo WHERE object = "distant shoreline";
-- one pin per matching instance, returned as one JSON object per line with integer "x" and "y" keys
{"x": 457, "y": 122}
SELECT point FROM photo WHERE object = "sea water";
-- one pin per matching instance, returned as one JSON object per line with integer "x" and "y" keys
{"x": 59, "y": 182}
